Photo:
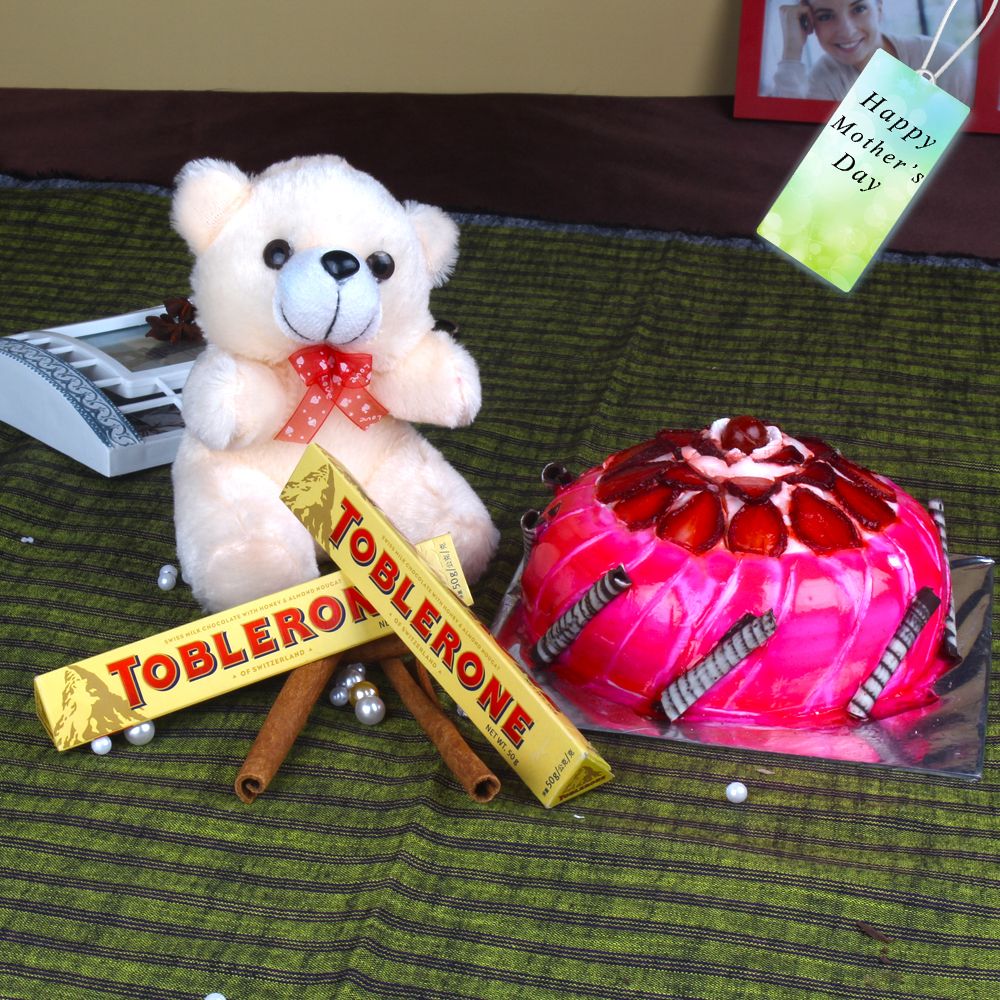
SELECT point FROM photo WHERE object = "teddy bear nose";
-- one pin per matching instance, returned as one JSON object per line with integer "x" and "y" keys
{"x": 340, "y": 264}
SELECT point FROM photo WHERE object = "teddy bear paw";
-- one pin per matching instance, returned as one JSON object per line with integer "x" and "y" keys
{"x": 237, "y": 573}
{"x": 476, "y": 540}
{"x": 466, "y": 396}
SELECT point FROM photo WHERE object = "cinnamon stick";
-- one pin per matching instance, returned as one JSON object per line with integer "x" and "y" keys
{"x": 425, "y": 682}
{"x": 475, "y": 777}
{"x": 300, "y": 692}
{"x": 392, "y": 645}
{"x": 377, "y": 649}
{"x": 303, "y": 687}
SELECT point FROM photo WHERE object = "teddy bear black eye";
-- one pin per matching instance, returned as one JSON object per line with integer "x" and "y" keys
{"x": 381, "y": 265}
{"x": 277, "y": 254}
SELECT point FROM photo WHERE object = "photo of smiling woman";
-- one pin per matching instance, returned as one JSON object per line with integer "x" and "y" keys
{"x": 824, "y": 45}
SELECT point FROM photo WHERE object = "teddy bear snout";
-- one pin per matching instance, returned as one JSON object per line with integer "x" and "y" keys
{"x": 310, "y": 307}
{"x": 340, "y": 264}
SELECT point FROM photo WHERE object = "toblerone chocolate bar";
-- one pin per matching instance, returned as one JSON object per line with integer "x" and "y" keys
{"x": 208, "y": 657}
{"x": 548, "y": 752}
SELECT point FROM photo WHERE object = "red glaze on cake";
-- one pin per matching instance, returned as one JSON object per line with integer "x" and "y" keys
{"x": 740, "y": 518}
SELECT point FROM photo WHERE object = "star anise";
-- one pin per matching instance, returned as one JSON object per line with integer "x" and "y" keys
{"x": 176, "y": 323}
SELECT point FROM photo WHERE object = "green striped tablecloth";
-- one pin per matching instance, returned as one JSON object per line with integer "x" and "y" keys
{"x": 364, "y": 871}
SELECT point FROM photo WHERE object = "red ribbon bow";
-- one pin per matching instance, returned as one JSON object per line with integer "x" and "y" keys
{"x": 333, "y": 379}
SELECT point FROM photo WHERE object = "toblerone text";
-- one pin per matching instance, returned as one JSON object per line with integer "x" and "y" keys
{"x": 544, "y": 747}
{"x": 152, "y": 677}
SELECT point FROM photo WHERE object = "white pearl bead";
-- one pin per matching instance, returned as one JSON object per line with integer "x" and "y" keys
{"x": 101, "y": 745}
{"x": 350, "y": 675}
{"x": 339, "y": 696}
{"x": 167, "y": 578}
{"x": 215, "y": 996}
{"x": 141, "y": 734}
{"x": 370, "y": 711}
{"x": 736, "y": 792}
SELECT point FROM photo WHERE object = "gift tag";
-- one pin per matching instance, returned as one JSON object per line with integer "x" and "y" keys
{"x": 863, "y": 171}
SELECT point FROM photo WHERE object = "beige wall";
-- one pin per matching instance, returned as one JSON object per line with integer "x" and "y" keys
{"x": 614, "y": 47}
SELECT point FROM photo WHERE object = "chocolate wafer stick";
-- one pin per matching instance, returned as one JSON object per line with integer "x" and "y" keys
{"x": 748, "y": 634}
{"x": 936, "y": 508}
{"x": 473, "y": 775}
{"x": 918, "y": 614}
{"x": 571, "y": 623}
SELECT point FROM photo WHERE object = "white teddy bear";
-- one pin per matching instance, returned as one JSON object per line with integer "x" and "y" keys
{"x": 312, "y": 286}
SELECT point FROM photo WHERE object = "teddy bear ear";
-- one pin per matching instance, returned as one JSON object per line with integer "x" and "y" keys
{"x": 207, "y": 193}
{"x": 439, "y": 237}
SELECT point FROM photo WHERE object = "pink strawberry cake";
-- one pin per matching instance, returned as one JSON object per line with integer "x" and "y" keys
{"x": 740, "y": 519}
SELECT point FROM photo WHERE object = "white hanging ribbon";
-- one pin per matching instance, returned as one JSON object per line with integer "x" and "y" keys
{"x": 924, "y": 71}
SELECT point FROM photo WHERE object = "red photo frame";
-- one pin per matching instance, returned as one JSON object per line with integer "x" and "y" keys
{"x": 750, "y": 103}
